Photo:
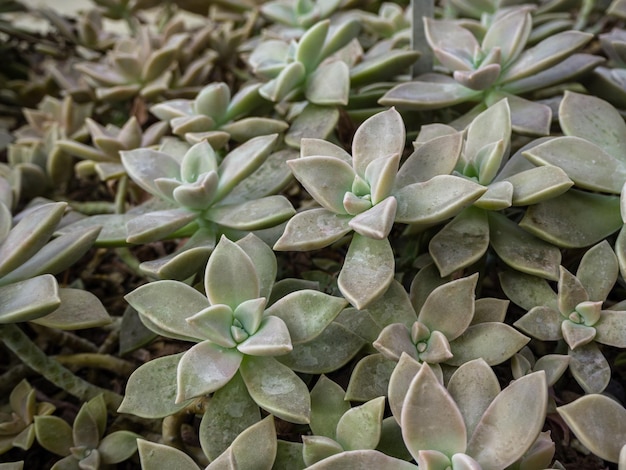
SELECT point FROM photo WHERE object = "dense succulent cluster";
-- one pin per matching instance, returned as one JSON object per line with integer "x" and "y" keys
{"x": 314, "y": 234}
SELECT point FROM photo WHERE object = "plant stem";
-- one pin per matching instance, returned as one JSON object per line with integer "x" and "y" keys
{"x": 17, "y": 341}
{"x": 100, "y": 361}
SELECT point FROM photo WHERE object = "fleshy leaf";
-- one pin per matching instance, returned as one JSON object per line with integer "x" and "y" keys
{"x": 598, "y": 271}
{"x": 230, "y": 276}
{"x": 326, "y": 179}
{"x": 153, "y": 455}
{"x": 214, "y": 323}
{"x": 54, "y": 434}
{"x": 329, "y": 84}
{"x": 276, "y": 388}
{"x": 72, "y": 314}
{"x": 435, "y": 200}
{"x": 360, "y": 427}
{"x": 117, "y": 446}
{"x": 541, "y": 322}
{"x": 313, "y": 229}
{"x": 600, "y": 212}
{"x": 29, "y": 235}
{"x": 527, "y": 291}
{"x": 271, "y": 339}
{"x": 599, "y": 122}
{"x": 461, "y": 242}
{"x": 255, "y": 447}
{"x": 255, "y": 214}
{"x": 205, "y": 368}
{"x": 376, "y": 222}
{"x": 589, "y": 367}
{"x": 30, "y": 299}
{"x": 450, "y": 307}
{"x": 151, "y": 389}
{"x": 327, "y": 407}
{"x": 361, "y": 459}
{"x": 399, "y": 382}
{"x": 521, "y": 250}
{"x": 229, "y": 412}
{"x": 599, "y": 422}
{"x": 430, "y": 418}
{"x": 496, "y": 442}
{"x": 379, "y": 136}
{"x": 167, "y": 304}
{"x": 307, "y": 313}
{"x": 370, "y": 378}
{"x": 494, "y": 342}
{"x": 570, "y": 292}
{"x": 90, "y": 423}
{"x": 367, "y": 271}
{"x": 317, "y": 448}
{"x": 473, "y": 386}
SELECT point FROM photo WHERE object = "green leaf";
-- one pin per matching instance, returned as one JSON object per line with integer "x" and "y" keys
{"x": 151, "y": 389}
{"x": 56, "y": 256}
{"x": 430, "y": 418}
{"x": 381, "y": 135}
{"x": 538, "y": 184}
{"x": 118, "y": 446}
{"x": 29, "y": 235}
{"x": 79, "y": 309}
{"x": 213, "y": 101}
{"x": 437, "y": 156}
{"x": 527, "y": 291}
{"x": 326, "y": 179}
{"x": 360, "y": 427}
{"x": 494, "y": 342}
{"x": 157, "y": 225}
{"x": 255, "y": 448}
{"x": 511, "y": 423}
{"x": 544, "y": 55}
{"x": 461, "y": 242}
{"x": 308, "y": 50}
{"x": 599, "y": 122}
{"x": 90, "y": 423}
{"x": 276, "y": 388}
{"x": 473, "y": 386}
{"x": 168, "y": 304}
{"x": 313, "y": 229}
{"x": 395, "y": 340}
{"x": 541, "y": 322}
{"x": 367, "y": 270}
{"x": 361, "y": 459}
{"x": 599, "y": 422}
{"x": 153, "y": 455}
{"x": 146, "y": 165}
{"x": 54, "y": 434}
{"x": 339, "y": 36}
{"x": 28, "y": 300}
{"x": 327, "y": 407}
{"x": 376, "y": 223}
{"x": 589, "y": 367}
{"x": 205, "y": 368}
{"x": 587, "y": 164}
{"x": 314, "y": 121}
{"x": 432, "y": 91}
{"x": 393, "y": 307}
{"x": 228, "y": 413}
{"x": 510, "y": 33}
{"x": 242, "y": 162}
{"x": 329, "y": 84}
{"x": 570, "y": 292}
{"x": 521, "y": 250}
{"x": 230, "y": 277}
{"x": 307, "y": 313}
{"x": 598, "y": 271}
{"x": 610, "y": 328}
{"x": 449, "y": 308}
{"x": 435, "y": 200}
{"x": 290, "y": 79}
{"x": 399, "y": 382}
{"x": 317, "y": 448}
{"x": 271, "y": 339}
{"x": 252, "y": 215}
{"x": 312, "y": 357}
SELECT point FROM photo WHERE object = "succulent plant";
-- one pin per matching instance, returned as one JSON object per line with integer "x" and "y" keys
{"x": 234, "y": 330}
{"x": 17, "y": 423}
{"x": 103, "y": 157}
{"x": 498, "y": 67}
{"x": 215, "y": 116}
{"x": 85, "y": 445}
{"x": 574, "y": 314}
{"x": 367, "y": 194}
{"x": 299, "y": 14}
{"x": 134, "y": 68}
{"x": 486, "y": 430}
